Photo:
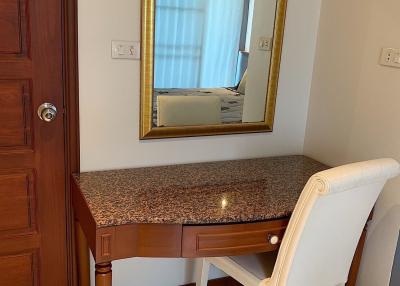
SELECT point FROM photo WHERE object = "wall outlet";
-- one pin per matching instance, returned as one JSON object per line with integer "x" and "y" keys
{"x": 125, "y": 50}
{"x": 265, "y": 44}
{"x": 390, "y": 57}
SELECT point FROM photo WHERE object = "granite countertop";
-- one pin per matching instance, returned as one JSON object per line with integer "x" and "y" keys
{"x": 204, "y": 193}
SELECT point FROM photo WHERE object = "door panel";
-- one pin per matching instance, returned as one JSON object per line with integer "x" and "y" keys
{"x": 20, "y": 270}
{"x": 32, "y": 160}
{"x": 16, "y": 201}
{"x": 13, "y": 24}
{"x": 15, "y": 113}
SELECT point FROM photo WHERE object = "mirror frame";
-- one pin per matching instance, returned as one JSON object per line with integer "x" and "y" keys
{"x": 147, "y": 131}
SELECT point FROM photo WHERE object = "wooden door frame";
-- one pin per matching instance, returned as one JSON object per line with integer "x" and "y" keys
{"x": 71, "y": 131}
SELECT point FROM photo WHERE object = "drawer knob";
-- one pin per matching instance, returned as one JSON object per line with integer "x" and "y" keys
{"x": 273, "y": 239}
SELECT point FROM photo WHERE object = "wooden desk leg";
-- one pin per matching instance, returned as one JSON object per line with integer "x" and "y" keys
{"x": 103, "y": 274}
{"x": 82, "y": 255}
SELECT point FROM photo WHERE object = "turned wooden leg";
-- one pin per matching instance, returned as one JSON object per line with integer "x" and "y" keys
{"x": 103, "y": 274}
{"x": 82, "y": 255}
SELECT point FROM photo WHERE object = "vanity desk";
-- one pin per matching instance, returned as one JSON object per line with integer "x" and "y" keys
{"x": 193, "y": 210}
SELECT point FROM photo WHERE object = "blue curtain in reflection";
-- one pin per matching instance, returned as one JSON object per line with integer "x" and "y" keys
{"x": 197, "y": 42}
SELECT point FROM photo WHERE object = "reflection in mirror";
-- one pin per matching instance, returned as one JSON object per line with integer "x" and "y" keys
{"x": 211, "y": 61}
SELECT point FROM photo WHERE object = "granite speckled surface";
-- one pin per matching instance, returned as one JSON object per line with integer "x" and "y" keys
{"x": 204, "y": 193}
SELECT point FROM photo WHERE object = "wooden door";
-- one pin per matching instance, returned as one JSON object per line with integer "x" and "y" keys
{"x": 32, "y": 167}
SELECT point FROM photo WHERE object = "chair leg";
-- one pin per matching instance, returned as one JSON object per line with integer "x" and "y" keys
{"x": 202, "y": 276}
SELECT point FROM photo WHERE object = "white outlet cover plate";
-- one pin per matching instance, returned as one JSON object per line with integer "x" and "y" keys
{"x": 125, "y": 50}
{"x": 265, "y": 44}
{"x": 390, "y": 57}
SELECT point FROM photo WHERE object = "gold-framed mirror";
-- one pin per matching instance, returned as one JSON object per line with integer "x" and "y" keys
{"x": 209, "y": 67}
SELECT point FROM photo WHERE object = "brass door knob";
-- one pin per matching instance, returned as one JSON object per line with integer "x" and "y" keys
{"x": 47, "y": 112}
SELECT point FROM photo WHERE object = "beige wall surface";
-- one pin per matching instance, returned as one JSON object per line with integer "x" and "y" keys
{"x": 109, "y": 113}
{"x": 354, "y": 110}
{"x": 259, "y": 61}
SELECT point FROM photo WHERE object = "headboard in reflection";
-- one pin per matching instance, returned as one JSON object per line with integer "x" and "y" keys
{"x": 209, "y": 66}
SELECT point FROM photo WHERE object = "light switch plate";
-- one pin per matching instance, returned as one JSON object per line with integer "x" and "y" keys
{"x": 390, "y": 57}
{"x": 125, "y": 50}
{"x": 265, "y": 44}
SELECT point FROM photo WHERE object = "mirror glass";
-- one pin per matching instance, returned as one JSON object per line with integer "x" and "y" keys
{"x": 212, "y": 61}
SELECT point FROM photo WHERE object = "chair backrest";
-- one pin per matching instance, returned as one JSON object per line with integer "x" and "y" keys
{"x": 188, "y": 110}
{"x": 325, "y": 227}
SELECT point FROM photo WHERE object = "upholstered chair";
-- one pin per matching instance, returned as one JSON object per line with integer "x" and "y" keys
{"x": 323, "y": 231}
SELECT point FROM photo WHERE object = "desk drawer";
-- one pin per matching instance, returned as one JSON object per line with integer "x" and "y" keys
{"x": 233, "y": 239}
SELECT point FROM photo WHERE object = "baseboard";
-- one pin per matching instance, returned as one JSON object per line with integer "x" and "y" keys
{"x": 225, "y": 281}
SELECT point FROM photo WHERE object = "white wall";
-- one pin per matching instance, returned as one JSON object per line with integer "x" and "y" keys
{"x": 354, "y": 110}
{"x": 259, "y": 61}
{"x": 109, "y": 112}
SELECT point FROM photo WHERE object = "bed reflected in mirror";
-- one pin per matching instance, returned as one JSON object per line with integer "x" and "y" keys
{"x": 214, "y": 63}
